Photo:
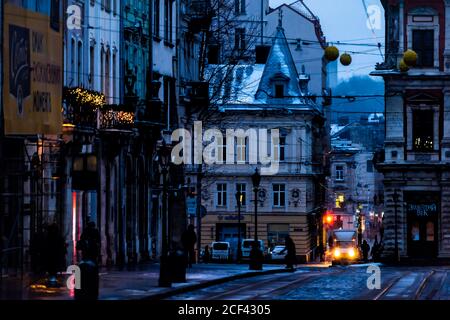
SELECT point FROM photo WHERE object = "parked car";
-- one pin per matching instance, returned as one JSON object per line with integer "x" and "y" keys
{"x": 278, "y": 253}
{"x": 220, "y": 250}
{"x": 246, "y": 247}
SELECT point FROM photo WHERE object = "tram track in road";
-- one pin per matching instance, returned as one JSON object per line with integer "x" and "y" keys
{"x": 243, "y": 289}
{"x": 269, "y": 287}
{"x": 282, "y": 290}
{"x": 407, "y": 287}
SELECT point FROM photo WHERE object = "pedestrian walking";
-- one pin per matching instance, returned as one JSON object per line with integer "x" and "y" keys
{"x": 330, "y": 242}
{"x": 291, "y": 256}
{"x": 54, "y": 253}
{"x": 320, "y": 252}
{"x": 189, "y": 239}
{"x": 89, "y": 243}
{"x": 206, "y": 255}
{"x": 365, "y": 247}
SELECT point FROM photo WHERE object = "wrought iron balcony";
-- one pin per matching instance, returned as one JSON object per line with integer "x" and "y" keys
{"x": 200, "y": 13}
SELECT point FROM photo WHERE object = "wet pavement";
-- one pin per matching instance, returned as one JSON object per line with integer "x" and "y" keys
{"x": 308, "y": 282}
{"x": 115, "y": 284}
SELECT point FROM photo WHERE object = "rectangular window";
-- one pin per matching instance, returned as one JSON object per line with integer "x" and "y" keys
{"x": 239, "y": 7}
{"x": 279, "y": 195}
{"x": 91, "y": 66}
{"x": 213, "y": 54}
{"x": 222, "y": 150}
{"x": 339, "y": 173}
{"x": 221, "y": 195}
{"x": 168, "y": 20}
{"x": 114, "y": 76}
{"x": 423, "y": 45}
{"x": 242, "y": 188}
{"x": 107, "y": 75}
{"x": 80, "y": 64}
{"x": 239, "y": 39}
{"x": 423, "y": 130}
{"x": 241, "y": 149}
{"x": 280, "y": 149}
{"x": 156, "y": 17}
{"x": 102, "y": 71}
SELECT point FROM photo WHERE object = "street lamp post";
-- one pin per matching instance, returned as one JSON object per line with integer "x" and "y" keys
{"x": 395, "y": 197}
{"x": 165, "y": 279}
{"x": 256, "y": 254}
{"x": 239, "y": 202}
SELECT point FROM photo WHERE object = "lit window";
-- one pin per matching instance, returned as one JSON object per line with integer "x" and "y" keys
{"x": 340, "y": 199}
{"x": 423, "y": 130}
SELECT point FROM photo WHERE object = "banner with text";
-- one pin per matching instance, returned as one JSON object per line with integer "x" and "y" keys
{"x": 32, "y": 52}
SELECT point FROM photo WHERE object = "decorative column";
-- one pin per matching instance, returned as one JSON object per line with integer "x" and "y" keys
{"x": 395, "y": 140}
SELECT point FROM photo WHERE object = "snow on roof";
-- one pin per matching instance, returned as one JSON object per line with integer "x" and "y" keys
{"x": 252, "y": 85}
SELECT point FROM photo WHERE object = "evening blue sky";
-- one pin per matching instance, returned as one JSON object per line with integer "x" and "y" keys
{"x": 346, "y": 21}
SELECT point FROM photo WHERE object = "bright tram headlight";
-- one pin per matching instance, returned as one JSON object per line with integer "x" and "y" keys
{"x": 351, "y": 253}
{"x": 337, "y": 252}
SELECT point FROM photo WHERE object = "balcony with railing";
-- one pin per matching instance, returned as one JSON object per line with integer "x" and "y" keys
{"x": 200, "y": 14}
{"x": 87, "y": 110}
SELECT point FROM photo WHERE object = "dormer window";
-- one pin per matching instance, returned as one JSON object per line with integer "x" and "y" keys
{"x": 279, "y": 90}
{"x": 279, "y": 82}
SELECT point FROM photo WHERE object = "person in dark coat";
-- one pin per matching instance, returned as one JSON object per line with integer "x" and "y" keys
{"x": 320, "y": 252}
{"x": 291, "y": 256}
{"x": 189, "y": 239}
{"x": 365, "y": 248}
{"x": 55, "y": 253}
{"x": 330, "y": 242}
{"x": 206, "y": 255}
{"x": 89, "y": 243}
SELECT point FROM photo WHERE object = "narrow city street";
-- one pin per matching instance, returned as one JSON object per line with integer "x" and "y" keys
{"x": 334, "y": 283}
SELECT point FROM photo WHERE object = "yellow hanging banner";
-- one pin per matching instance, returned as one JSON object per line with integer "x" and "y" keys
{"x": 32, "y": 77}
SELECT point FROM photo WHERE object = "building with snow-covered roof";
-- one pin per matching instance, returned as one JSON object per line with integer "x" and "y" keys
{"x": 264, "y": 97}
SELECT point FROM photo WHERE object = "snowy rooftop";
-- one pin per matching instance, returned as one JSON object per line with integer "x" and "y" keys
{"x": 251, "y": 85}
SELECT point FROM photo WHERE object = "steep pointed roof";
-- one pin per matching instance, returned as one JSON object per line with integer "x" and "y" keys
{"x": 279, "y": 66}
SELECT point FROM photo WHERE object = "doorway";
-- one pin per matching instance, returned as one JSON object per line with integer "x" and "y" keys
{"x": 422, "y": 222}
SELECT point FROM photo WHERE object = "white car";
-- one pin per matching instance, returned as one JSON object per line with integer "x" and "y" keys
{"x": 278, "y": 253}
{"x": 247, "y": 245}
{"x": 220, "y": 250}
